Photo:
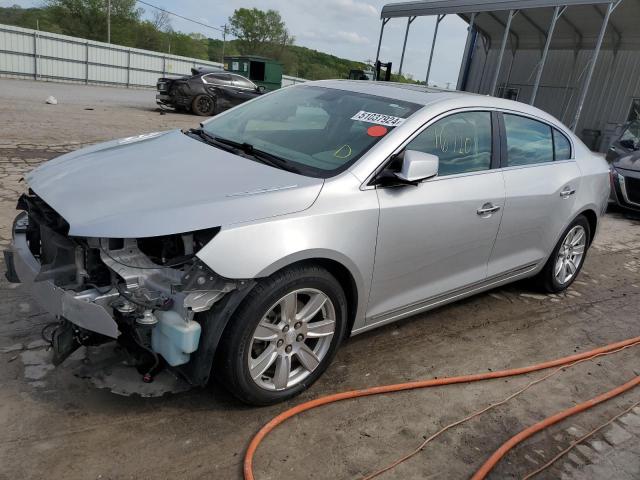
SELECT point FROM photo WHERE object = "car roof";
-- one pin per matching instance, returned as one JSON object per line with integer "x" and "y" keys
{"x": 409, "y": 92}
{"x": 429, "y": 96}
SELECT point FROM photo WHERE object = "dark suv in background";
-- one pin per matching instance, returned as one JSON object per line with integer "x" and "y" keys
{"x": 205, "y": 92}
{"x": 624, "y": 159}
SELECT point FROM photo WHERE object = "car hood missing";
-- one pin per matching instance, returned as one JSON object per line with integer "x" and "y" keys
{"x": 165, "y": 183}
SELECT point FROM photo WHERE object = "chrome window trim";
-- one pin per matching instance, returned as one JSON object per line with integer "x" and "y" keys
{"x": 365, "y": 185}
{"x": 561, "y": 128}
{"x": 533, "y": 165}
{"x": 204, "y": 78}
{"x": 545, "y": 122}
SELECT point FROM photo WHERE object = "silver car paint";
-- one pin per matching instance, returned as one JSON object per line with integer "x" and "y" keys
{"x": 431, "y": 239}
{"x": 438, "y": 288}
{"x": 340, "y": 226}
{"x": 338, "y": 221}
{"x": 164, "y": 183}
{"x": 534, "y": 213}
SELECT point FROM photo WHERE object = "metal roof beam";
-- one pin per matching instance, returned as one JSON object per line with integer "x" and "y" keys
{"x": 404, "y": 45}
{"x": 615, "y": 30}
{"x": 533, "y": 24}
{"x": 574, "y": 28}
{"x": 507, "y": 28}
{"x": 592, "y": 64}
{"x": 504, "y": 25}
{"x": 440, "y": 7}
{"x": 557, "y": 13}
{"x": 481, "y": 30}
{"x": 439, "y": 18}
{"x": 383, "y": 23}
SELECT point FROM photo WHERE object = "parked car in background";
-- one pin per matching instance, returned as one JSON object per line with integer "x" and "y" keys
{"x": 206, "y": 92}
{"x": 624, "y": 160}
{"x": 251, "y": 247}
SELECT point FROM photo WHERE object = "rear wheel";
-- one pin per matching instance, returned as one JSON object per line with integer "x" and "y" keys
{"x": 567, "y": 258}
{"x": 283, "y": 336}
{"x": 203, "y": 105}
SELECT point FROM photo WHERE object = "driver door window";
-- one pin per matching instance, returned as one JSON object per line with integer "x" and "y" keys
{"x": 461, "y": 141}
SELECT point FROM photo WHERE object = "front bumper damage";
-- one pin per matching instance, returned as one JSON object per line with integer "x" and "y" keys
{"x": 101, "y": 290}
{"x": 88, "y": 310}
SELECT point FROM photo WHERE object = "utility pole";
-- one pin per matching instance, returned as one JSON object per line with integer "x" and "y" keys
{"x": 108, "y": 21}
{"x": 224, "y": 39}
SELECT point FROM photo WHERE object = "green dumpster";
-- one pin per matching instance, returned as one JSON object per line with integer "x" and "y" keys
{"x": 260, "y": 70}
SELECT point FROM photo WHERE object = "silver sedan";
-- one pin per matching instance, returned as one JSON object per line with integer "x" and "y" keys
{"x": 251, "y": 247}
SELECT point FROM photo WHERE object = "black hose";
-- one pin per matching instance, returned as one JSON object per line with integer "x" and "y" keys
{"x": 156, "y": 358}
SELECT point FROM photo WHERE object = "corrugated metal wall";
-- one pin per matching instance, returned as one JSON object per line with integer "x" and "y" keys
{"x": 49, "y": 56}
{"x": 615, "y": 83}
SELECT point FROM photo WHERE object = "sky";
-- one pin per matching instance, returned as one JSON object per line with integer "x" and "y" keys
{"x": 345, "y": 28}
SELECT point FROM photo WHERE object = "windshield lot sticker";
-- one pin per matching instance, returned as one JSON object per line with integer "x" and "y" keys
{"x": 377, "y": 131}
{"x": 378, "y": 118}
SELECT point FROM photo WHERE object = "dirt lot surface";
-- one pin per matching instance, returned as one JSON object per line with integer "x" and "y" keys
{"x": 56, "y": 424}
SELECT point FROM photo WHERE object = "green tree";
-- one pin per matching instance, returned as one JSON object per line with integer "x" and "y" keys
{"x": 88, "y": 19}
{"x": 35, "y": 18}
{"x": 259, "y": 32}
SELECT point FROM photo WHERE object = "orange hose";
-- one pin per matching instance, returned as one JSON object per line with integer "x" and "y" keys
{"x": 337, "y": 397}
{"x": 484, "y": 470}
{"x": 577, "y": 442}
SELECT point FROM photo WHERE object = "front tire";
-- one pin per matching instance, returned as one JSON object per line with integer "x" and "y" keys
{"x": 567, "y": 257}
{"x": 283, "y": 336}
{"x": 203, "y": 105}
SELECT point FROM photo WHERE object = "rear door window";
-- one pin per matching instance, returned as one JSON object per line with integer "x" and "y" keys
{"x": 242, "y": 82}
{"x": 528, "y": 141}
{"x": 461, "y": 141}
{"x": 217, "y": 78}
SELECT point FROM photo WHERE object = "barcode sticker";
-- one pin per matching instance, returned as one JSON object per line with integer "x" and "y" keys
{"x": 378, "y": 118}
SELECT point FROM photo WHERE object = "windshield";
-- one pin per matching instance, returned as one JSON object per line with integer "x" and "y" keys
{"x": 319, "y": 131}
{"x": 632, "y": 134}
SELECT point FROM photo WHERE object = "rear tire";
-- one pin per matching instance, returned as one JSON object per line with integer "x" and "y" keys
{"x": 275, "y": 346}
{"x": 203, "y": 105}
{"x": 567, "y": 258}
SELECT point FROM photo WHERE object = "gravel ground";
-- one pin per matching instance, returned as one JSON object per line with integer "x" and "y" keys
{"x": 55, "y": 423}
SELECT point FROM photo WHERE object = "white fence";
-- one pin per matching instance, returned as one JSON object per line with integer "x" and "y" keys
{"x": 48, "y": 56}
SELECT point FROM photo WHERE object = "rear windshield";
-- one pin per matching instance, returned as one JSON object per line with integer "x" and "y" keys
{"x": 322, "y": 131}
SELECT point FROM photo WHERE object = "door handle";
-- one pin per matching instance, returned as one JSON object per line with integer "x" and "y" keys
{"x": 567, "y": 192}
{"x": 487, "y": 209}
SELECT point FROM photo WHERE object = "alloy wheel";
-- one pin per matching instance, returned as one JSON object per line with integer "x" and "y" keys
{"x": 292, "y": 339}
{"x": 204, "y": 104}
{"x": 570, "y": 254}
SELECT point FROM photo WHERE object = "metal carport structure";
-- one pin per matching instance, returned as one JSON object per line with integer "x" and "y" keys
{"x": 533, "y": 25}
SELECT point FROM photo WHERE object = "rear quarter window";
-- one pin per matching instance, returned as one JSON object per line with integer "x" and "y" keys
{"x": 562, "y": 146}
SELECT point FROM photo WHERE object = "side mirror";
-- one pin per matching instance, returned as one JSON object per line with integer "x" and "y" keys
{"x": 418, "y": 166}
{"x": 261, "y": 88}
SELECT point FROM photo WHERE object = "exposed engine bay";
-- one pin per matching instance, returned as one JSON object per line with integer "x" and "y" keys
{"x": 148, "y": 291}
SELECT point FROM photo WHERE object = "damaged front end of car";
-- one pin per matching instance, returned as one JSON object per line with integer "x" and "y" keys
{"x": 152, "y": 295}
